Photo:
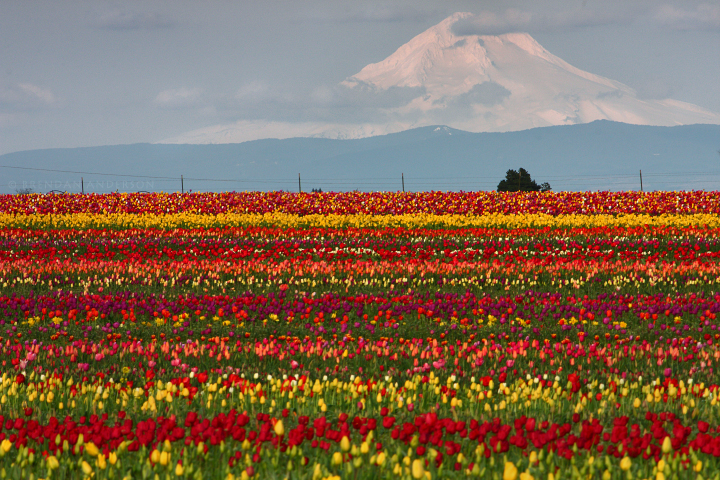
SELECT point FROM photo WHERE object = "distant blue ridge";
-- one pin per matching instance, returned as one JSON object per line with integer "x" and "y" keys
{"x": 601, "y": 155}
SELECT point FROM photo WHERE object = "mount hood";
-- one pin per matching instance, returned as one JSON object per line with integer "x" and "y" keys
{"x": 476, "y": 83}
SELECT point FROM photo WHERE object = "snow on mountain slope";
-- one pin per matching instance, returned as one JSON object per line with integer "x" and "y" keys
{"x": 476, "y": 83}
{"x": 246, "y": 130}
{"x": 439, "y": 59}
{"x": 510, "y": 82}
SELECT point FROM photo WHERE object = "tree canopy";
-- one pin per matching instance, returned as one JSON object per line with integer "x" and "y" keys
{"x": 520, "y": 181}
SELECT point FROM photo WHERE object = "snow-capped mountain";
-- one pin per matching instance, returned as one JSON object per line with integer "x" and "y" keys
{"x": 477, "y": 83}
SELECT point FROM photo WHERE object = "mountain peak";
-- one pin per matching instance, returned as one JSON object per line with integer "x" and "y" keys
{"x": 411, "y": 64}
{"x": 507, "y": 82}
{"x": 439, "y": 58}
{"x": 475, "y": 83}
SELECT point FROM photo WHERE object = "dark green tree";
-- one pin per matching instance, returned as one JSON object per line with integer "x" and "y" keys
{"x": 520, "y": 181}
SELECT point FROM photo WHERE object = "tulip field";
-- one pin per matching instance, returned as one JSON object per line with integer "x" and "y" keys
{"x": 360, "y": 335}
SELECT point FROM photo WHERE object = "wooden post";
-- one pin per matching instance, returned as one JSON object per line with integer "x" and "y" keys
{"x": 403, "y": 181}
{"x": 82, "y": 185}
{"x": 182, "y": 184}
{"x": 299, "y": 184}
{"x": 641, "y": 187}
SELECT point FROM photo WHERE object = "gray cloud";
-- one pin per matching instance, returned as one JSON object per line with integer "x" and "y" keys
{"x": 375, "y": 14}
{"x": 486, "y": 93}
{"x": 339, "y": 103}
{"x": 253, "y": 91}
{"x": 120, "y": 20}
{"x": 178, "y": 97}
{"x": 703, "y": 17}
{"x": 610, "y": 94}
{"x": 367, "y": 95}
{"x": 41, "y": 94}
{"x": 514, "y": 20}
{"x": 20, "y": 101}
{"x": 26, "y": 95}
{"x": 489, "y": 23}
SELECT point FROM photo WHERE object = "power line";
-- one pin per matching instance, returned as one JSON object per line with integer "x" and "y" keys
{"x": 364, "y": 179}
{"x": 86, "y": 173}
{"x": 145, "y": 176}
{"x": 414, "y": 182}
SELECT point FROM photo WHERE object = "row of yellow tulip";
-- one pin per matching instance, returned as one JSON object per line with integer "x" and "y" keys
{"x": 190, "y": 220}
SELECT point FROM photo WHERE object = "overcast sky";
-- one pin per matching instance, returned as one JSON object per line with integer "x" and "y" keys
{"x": 75, "y": 73}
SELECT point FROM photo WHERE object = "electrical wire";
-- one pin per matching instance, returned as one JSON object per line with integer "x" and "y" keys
{"x": 410, "y": 181}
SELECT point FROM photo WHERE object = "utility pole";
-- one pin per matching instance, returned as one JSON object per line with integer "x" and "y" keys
{"x": 641, "y": 188}
{"x": 299, "y": 184}
{"x": 82, "y": 185}
{"x": 182, "y": 184}
{"x": 402, "y": 175}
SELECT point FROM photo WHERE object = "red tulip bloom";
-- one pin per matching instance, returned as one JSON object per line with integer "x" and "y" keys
{"x": 530, "y": 424}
